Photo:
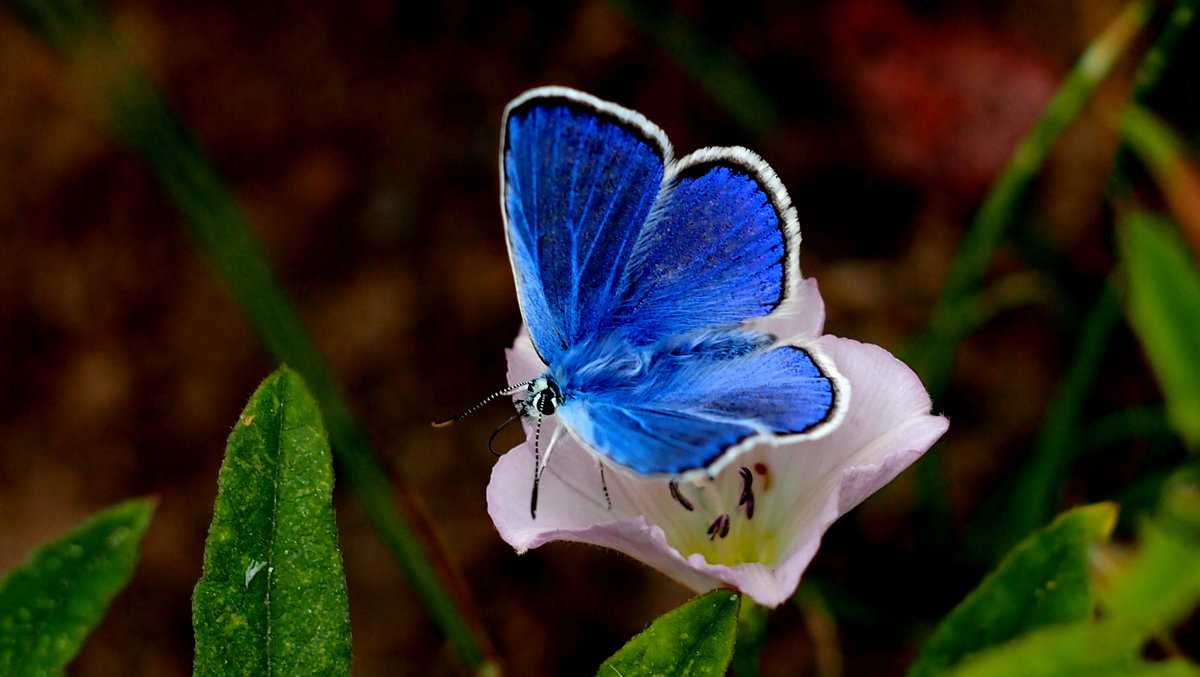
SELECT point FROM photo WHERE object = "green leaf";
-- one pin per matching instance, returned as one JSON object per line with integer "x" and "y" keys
{"x": 1141, "y": 598}
{"x": 272, "y": 599}
{"x": 1164, "y": 311}
{"x": 932, "y": 354}
{"x": 1043, "y": 581}
{"x": 1096, "y": 648}
{"x": 751, "y": 637}
{"x": 1160, "y": 585}
{"x": 49, "y": 605}
{"x": 694, "y": 640}
{"x": 1070, "y": 650}
{"x": 110, "y": 83}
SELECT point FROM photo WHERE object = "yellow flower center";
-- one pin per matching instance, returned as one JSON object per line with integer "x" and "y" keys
{"x": 722, "y": 519}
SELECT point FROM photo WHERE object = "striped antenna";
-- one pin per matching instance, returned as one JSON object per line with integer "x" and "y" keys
{"x": 507, "y": 391}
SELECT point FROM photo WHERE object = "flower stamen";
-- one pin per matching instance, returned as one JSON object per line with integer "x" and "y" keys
{"x": 747, "y": 497}
{"x": 674, "y": 487}
{"x": 719, "y": 527}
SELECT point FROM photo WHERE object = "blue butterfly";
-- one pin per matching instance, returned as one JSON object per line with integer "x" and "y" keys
{"x": 639, "y": 277}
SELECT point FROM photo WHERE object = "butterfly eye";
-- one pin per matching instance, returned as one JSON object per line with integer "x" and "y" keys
{"x": 544, "y": 397}
{"x": 547, "y": 400}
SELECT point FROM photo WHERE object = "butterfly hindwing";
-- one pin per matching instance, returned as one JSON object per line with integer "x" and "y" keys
{"x": 699, "y": 397}
{"x": 580, "y": 177}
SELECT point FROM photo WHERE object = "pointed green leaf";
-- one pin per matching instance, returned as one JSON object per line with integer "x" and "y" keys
{"x": 1142, "y": 598}
{"x": 118, "y": 93}
{"x": 751, "y": 637}
{"x": 1169, "y": 668}
{"x": 49, "y": 605}
{"x": 1042, "y": 581}
{"x": 1164, "y": 311}
{"x": 272, "y": 599}
{"x": 1159, "y": 586}
{"x": 1070, "y": 650}
{"x": 695, "y": 640}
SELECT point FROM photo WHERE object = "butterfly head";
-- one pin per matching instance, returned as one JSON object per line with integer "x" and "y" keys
{"x": 543, "y": 398}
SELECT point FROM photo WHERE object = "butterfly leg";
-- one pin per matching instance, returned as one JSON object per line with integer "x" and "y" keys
{"x": 558, "y": 432}
{"x": 496, "y": 432}
{"x": 537, "y": 469}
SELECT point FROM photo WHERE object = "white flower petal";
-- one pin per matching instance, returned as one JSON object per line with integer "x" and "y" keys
{"x": 803, "y": 318}
{"x": 808, "y": 484}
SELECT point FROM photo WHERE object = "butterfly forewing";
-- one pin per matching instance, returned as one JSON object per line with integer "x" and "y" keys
{"x": 579, "y": 180}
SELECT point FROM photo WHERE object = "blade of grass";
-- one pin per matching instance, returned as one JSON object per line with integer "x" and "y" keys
{"x": 1058, "y": 441}
{"x": 822, "y": 628}
{"x": 1163, "y": 304}
{"x": 1165, "y": 154}
{"x": 1156, "y": 58}
{"x": 932, "y": 354}
{"x": 1127, "y": 424}
{"x": 1149, "y": 71}
{"x": 1147, "y": 75}
{"x": 144, "y": 121}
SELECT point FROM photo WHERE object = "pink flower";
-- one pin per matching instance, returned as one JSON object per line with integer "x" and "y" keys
{"x": 760, "y": 546}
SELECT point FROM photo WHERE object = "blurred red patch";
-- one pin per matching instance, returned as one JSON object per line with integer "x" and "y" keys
{"x": 943, "y": 102}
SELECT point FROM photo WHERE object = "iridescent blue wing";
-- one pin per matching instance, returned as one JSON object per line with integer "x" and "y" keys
{"x": 700, "y": 398}
{"x": 579, "y": 178}
{"x": 721, "y": 247}
{"x": 643, "y": 267}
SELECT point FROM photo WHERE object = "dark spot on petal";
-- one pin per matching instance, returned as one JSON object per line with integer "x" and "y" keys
{"x": 761, "y": 469}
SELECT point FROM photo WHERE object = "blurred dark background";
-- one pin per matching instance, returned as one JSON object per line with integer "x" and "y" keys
{"x": 361, "y": 139}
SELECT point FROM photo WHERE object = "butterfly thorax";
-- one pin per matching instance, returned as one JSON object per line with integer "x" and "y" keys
{"x": 598, "y": 365}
